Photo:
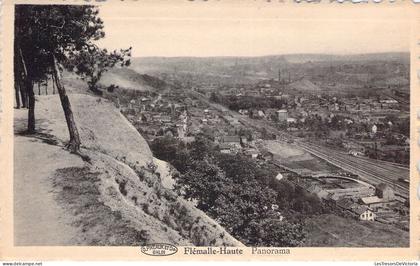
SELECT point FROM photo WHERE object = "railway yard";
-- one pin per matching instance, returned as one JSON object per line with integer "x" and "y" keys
{"x": 369, "y": 170}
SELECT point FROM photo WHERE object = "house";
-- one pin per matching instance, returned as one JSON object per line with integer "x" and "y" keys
{"x": 224, "y": 148}
{"x": 385, "y": 192}
{"x": 364, "y": 213}
{"x": 234, "y": 141}
{"x": 322, "y": 194}
{"x": 344, "y": 203}
{"x": 165, "y": 119}
{"x": 188, "y": 139}
{"x": 268, "y": 156}
{"x": 243, "y": 112}
{"x": 373, "y": 202}
{"x": 181, "y": 130}
{"x": 253, "y": 153}
{"x": 169, "y": 133}
{"x": 314, "y": 189}
{"x": 279, "y": 176}
{"x": 374, "y": 129}
{"x": 232, "y": 121}
{"x": 260, "y": 113}
{"x": 244, "y": 140}
{"x": 356, "y": 153}
{"x": 282, "y": 115}
{"x": 131, "y": 104}
{"x": 389, "y": 101}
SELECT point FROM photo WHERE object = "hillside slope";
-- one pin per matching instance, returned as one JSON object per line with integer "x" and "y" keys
{"x": 115, "y": 199}
{"x": 125, "y": 78}
{"x": 128, "y": 78}
{"x": 304, "y": 85}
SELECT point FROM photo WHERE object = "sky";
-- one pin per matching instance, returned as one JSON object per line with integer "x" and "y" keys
{"x": 164, "y": 28}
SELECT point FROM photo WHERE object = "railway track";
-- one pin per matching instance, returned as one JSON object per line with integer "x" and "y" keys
{"x": 380, "y": 166}
{"x": 366, "y": 173}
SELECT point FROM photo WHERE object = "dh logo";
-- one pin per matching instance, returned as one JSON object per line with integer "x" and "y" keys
{"x": 159, "y": 249}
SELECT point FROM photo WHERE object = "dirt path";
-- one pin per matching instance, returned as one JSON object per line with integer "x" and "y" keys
{"x": 38, "y": 219}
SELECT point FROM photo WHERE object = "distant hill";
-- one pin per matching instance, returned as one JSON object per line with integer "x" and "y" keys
{"x": 323, "y": 70}
{"x": 211, "y": 69}
{"x": 307, "y": 72}
{"x": 304, "y": 58}
{"x": 268, "y": 59}
{"x": 147, "y": 64}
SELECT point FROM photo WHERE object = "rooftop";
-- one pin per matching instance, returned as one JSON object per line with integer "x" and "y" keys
{"x": 224, "y": 146}
{"x": 359, "y": 209}
{"x": 231, "y": 139}
{"x": 371, "y": 200}
{"x": 344, "y": 203}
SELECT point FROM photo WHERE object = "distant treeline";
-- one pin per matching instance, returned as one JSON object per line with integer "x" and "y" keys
{"x": 246, "y": 102}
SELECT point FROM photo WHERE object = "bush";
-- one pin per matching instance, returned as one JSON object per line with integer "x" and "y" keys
{"x": 121, "y": 186}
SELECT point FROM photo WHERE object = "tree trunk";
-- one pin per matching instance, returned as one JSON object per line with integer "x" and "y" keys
{"x": 39, "y": 89}
{"x": 21, "y": 91}
{"x": 23, "y": 88}
{"x": 29, "y": 96}
{"x": 52, "y": 79}
{"x": 74, "y": 143}
{"x": 17, "y": 94}
{"x": 29, "y": 88}
{"x": 46, "y": 86}
{"x": 24, "y": 96}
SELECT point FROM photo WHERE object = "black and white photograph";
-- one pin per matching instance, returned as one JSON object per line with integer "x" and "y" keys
{"x": 238, "y": 127}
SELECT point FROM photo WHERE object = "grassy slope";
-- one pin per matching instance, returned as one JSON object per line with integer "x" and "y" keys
{"x": 124, "y": 78}
{"x": 116, "y": 199}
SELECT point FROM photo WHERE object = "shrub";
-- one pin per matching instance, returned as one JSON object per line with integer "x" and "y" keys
{"x": 143, "y": 236}
{"x": 121, "y": 186}
{"x": 145, "y": 208}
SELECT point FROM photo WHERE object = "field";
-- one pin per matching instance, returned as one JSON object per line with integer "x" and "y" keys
{"x": 282, "y": 149}
{"x": 292, "y": 156}
{"x": 332, "y": 230}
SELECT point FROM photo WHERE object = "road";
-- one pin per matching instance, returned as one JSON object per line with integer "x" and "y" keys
{"x": 369, "y": 170}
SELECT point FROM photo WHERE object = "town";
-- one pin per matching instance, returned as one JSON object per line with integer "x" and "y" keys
{"x": 271, "y": 122}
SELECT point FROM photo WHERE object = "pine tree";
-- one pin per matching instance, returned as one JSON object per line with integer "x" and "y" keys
{"x": 47, "y": 39}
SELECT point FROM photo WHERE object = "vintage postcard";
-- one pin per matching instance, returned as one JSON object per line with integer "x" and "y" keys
{"x": 210, "y": 130}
